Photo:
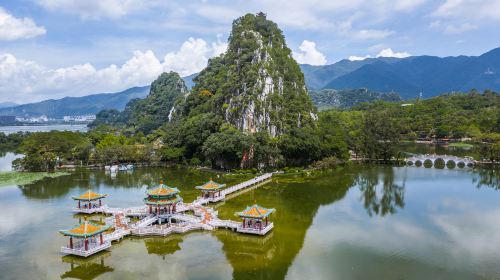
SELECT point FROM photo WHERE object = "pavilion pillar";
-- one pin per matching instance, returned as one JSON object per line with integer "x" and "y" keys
{"x": 175, "y": 207}
{"x": 100, "y": 237}
{"x": 71, "y": 242}
{"x": 100, "y": 203}
{"x": 79, "y": 206}
{"x": 244, "y": 223}
{"x": 266, "y": 221}
{"x": 150, "y": 209}
{"x": 86, "y": 244}
{"x": 260, "y": 225}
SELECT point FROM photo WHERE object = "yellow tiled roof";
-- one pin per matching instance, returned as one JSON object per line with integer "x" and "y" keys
{"x": 89, "y": 195}
{"x": 162, "y": 190}
{"x": 255, "y": 211}
{"x": 85, "y": 229}
{"x": 210, "y": 185}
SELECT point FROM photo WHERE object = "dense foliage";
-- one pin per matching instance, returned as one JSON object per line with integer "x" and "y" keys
{"x": 148, "y": 114}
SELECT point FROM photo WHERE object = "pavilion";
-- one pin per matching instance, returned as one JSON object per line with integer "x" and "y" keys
{"x": 255, "y": 220}
{"x": 162, "y": 199}
{"x": 85, "y": 239}
{"x": 211, "y": 191}
{"x": 89, "y": 202}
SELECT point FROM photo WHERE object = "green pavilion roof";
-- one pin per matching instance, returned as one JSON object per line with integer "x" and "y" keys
{"x": 162, "y": 201}
{"x": 162, "y": 191}
{"x": 210, "y": 186}
{"x": 255, "y": 211}
{"x": 85, "y": 229}
{"x": 89, "y": 195}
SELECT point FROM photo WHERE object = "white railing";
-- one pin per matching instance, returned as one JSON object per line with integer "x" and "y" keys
{"x": 250, "y": 230}
{"x": 80, "y": 251}
{"x": 146, "y": 221}
{"x": 246, "y": 184}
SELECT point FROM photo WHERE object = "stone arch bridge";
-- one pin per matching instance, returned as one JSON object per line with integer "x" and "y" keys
{"x": 457, "y": 161}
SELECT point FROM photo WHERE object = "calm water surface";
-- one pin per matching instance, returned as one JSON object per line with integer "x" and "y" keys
{"x": 358, "y": 222}
{"x": 43, "y": 128}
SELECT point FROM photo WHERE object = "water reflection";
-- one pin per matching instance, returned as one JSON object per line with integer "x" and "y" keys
{"x": 486, "y": 177}
{"x": 379, "y": 192}
{"x": 86, "y": 268}
{"x": 163, "y": 246}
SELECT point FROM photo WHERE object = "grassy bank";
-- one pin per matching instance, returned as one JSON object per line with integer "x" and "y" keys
{"x": 24, "y": 178}
{"x": 461, "y": 145}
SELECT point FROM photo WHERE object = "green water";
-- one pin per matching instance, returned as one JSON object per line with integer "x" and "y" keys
{"x": 357, "y": 222}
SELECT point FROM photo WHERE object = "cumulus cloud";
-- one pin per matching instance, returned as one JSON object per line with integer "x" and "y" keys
{"x": 357, "y": 58}
{"x": 29, "y": 81}
{"x": 308, "y": 54}
{"x": 371, "y": 34}
{"x": 95, "y": 9}
{"x": 12, "y": 28}
{"x": 390, "y": 53}
{"x": 193, "y": 56}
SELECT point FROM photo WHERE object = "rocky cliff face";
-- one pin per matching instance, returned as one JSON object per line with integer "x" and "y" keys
{"x": 256, "y": 85}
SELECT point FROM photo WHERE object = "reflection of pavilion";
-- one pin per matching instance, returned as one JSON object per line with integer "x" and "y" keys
{"x": 163, "y": 246}
{"x": 86, "y": 269}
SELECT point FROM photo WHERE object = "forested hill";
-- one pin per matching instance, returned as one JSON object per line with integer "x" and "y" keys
{"x": 410, "y": 76}
{"x": 347, "y": 98}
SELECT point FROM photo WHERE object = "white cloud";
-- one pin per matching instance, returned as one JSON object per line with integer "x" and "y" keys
{"x": 469, "y": 9}
{"x": 26, "y": 81}
{"x": 95, "y": 9}
{"x": 308, "y": 54}
{"x": 356, "y": 58}
{"x": 371, "y": 34}
{"x": 12, "y": 28}
{"x": 460, "y": 28}
{"x": 390, "y": 53}
{"x": 193, "y": 56}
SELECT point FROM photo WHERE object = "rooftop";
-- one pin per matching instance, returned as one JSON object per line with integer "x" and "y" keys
{"x": 90, "y": 195}
{"x": 210, "y": 185}
{"x": 255, "y": 211}
{"x": 85, "y": 229}
{"x": 162, "y": 191}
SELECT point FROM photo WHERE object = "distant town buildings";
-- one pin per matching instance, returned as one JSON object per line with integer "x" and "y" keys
{"x": 82, "y": 118}
{"x": 43, "y": 119}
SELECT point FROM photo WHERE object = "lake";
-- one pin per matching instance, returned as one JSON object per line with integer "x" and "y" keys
{"x": 43, "y": 128}
{"x": 357, "y": 222}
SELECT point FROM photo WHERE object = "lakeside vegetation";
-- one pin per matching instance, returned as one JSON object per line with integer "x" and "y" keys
{"x": 25, "y": 178}
{"x": 369, "y": 130}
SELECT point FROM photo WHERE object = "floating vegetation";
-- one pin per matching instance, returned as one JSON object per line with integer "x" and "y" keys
{"x": 25, "y": 178}
{"x": 461, "y": 145}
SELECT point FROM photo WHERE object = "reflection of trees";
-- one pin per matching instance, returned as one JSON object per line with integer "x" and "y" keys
{"x": 380, "y": 194}
{"x": 163, "y": 246}
{"x": 487, "y": 177}
{"x": 296, "y": 200}
{"x": 88, "y": 268}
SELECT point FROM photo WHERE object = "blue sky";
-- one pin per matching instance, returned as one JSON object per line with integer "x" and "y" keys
{"x": 56, "y": 48}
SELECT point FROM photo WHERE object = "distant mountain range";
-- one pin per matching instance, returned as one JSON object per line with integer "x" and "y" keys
{"x": 68, "y": 106}
{"x": 347, "y": 98}
{"x": 429, "y": 75}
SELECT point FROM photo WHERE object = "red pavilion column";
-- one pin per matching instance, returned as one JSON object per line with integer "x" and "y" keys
{"x": 150, "y": 209}
{"x": 100, "y": 203}
{"x": 175, "y": 206}
{"x": 266, "y": 221}
{"x": 71, "y": 242}
{"x": 260, "y": 225}
{"x": 100, "y": 237}
{"x": 86, "y": 244}
{"x": 243, "y": 223}
{"x": 79, "y": 206}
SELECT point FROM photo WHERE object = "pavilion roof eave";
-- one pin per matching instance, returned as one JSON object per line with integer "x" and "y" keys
{"x": 210, "y": 186}
{"x": 89, "y": 196}
{"x": 82, "y": 227}
{"x": 255, "y": 212}
{"x": 162, "y": 191}
{"x": 160, "y": 201}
